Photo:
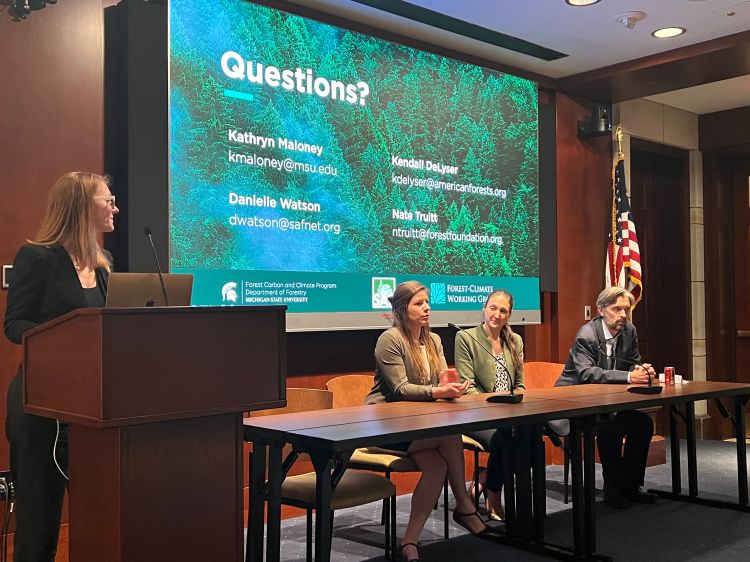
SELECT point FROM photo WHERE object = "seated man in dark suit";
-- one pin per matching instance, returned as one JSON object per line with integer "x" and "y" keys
{"x": 605, "y": 350}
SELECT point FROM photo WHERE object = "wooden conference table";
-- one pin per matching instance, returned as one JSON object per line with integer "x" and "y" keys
{"x": 330, "y": 436}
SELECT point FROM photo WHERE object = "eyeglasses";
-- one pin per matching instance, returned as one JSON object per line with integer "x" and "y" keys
{"x": 110, "y": 199}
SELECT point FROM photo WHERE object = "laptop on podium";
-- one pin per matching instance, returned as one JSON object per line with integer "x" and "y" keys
{"x": 136, "y": 290}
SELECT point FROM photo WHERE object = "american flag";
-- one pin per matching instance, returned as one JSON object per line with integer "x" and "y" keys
{"x": 623, "y": 268}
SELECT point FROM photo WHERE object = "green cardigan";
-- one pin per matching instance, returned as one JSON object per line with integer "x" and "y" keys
{"x": 477, "y": 366}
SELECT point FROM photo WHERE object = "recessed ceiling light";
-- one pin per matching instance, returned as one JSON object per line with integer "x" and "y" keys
{"x": 667, "y": 32}
{"x": 581, "y": 2}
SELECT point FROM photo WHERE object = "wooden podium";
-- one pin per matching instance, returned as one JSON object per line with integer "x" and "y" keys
{"x": 154, "y": 397}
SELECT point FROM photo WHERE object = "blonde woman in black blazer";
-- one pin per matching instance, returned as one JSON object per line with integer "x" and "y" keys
{"x": 62, "y": 269}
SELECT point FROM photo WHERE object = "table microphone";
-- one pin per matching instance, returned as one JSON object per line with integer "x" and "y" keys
{"x": 511, "y": 398}
{"x": 147, "y": 232}
{"x": 650, "y": 389}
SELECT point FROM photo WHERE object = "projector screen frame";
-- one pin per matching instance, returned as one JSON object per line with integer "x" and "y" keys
{"x": 142, "y": 166}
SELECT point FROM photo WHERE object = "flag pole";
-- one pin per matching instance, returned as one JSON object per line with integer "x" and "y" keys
{"x": 628, "y": 271}
{"x": 613, "y": 219}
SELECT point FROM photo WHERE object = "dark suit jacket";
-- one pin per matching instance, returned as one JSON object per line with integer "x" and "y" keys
{"x": 588, "y": 362}
{"x": 44, "y": 285}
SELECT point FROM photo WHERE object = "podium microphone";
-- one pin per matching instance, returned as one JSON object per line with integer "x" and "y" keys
{"x": 650, "y": 389}
{"x": 511, "y": 398}
{"x": 147, "y": 232}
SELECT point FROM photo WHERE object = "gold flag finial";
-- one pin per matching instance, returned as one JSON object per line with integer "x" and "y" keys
{"x": 618, "y": 133}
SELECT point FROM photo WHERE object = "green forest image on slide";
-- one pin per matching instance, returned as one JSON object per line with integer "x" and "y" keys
{"x": 300, "y": 146}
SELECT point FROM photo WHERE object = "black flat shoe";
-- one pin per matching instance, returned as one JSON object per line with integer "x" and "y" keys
{"x": 487, "y": 533}
{"x": 21, "y": 8}
{"x": 640, "y": 496}
{"x": 613, "y": 498}
{"x": 401, "y": 552}
{"x": 18, "y": 12}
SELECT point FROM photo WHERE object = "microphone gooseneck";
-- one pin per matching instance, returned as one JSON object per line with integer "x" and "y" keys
{"x": 511, "y": 398}
{"x": 147, "y": 232}
{"x": 621, "y": 359}
{"x": 649, "y": 389}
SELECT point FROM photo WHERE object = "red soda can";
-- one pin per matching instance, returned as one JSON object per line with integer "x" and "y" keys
{"x": 669, "y": 376}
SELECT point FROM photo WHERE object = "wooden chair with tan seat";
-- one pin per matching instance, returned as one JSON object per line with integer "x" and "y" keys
{"x": 475, "y": 448}
{"x": 354, "y": 489}
{"x": 351, "y": 390}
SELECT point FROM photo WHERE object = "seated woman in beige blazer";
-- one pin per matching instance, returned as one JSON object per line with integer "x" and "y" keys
{"x": 408, "y": 362}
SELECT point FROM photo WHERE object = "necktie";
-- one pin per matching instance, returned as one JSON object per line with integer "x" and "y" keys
{"x": 613, "y": 348}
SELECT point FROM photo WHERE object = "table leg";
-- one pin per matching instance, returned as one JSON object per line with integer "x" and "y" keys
{"x": 539, "y": 484}
{"x": 739, "y": 415}
{"x": 509, "y": 488}
{"x": 577, "y": 493}
{"x": 257, "y": 469}
{"x": 522, "y": 462}
{"x": 323, "y": 464}
{"x": 691, "y": 449}
{"x": 589, "y": 478}
{"x": 273, "y": 497}
{"x": 674, "y": 448}
{"x": 692, "y": 496}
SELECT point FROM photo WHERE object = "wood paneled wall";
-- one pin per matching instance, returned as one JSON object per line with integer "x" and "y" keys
{"x": 52, "y": 123}
{"x": 583, "y": 203}
{"x": 725, "y": 142}
{"x": 725, "y": 130}
{"x": 583, "y": 218}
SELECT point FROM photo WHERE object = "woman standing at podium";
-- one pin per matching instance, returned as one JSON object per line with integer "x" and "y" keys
{"x": 409, "y": 365}
{"x": 62, "y": 269}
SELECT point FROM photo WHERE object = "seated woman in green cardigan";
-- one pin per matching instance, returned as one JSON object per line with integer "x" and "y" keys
{"x": 490, "y": 358}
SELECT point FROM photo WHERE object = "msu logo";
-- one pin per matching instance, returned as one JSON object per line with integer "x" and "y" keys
{"x": 229, "y": 292}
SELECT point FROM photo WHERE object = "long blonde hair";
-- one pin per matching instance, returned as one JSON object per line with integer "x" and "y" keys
{"x": 400, "y": 302}
{"x": 69, "y": 221}
{"x": 506, "y": 333}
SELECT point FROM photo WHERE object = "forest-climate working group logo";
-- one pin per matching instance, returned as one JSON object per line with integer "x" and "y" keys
{"x": 229, "y": 292}
{"x": 382, "y": 288}
{"x": 437, "y": 293}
